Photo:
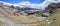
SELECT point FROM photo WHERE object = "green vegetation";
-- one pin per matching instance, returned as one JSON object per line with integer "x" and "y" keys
{"x": 39, "y": 14}
{"x": 55, "y": 22}
{"x": 3, "y": 24}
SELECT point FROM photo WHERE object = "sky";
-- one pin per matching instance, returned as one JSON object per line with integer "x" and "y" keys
{"x": 17, "y": 1}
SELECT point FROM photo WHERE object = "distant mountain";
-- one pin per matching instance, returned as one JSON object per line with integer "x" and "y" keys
{"x": 17, "y": 9}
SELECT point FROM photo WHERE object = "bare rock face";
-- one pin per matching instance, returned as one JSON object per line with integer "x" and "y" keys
{"x": 52, "y": 7}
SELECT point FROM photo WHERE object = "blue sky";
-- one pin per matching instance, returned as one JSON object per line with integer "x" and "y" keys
{"x": 17, "y": 1}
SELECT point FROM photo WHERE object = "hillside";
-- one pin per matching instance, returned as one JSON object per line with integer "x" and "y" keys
{"x": 16, "y": 16}
{"x": 54, "y": 18}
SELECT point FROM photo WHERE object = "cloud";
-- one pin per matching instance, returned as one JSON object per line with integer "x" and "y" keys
{"x": 5, "y": 3}
{"x": 27, "y": 4}
{"x": 47, "y": 2}
{"x": 37, "y": 6}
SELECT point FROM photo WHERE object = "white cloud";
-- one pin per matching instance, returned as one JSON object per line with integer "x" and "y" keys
{"x": 38, "y": 6}
{"x": 5, "y": 3}
{"x": 26, "y": 2}
{"x": 47, "y": 2}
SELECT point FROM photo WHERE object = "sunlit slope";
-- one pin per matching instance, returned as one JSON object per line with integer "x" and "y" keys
{"x": 53, "y": 18}
{"x": 3, "y": 24}
{"x": 17, "y": 18}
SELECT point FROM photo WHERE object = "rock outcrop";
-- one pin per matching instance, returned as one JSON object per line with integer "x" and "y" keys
{"x": 51, "y": 8}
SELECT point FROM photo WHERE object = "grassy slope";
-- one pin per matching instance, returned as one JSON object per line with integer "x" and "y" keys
{"x": 40, "y": 23}
{"x": 57, "y": 15}
{"x": 17, "y": 19}
{"x": 3, "y": 24}
{"x": 56, "y": 22}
